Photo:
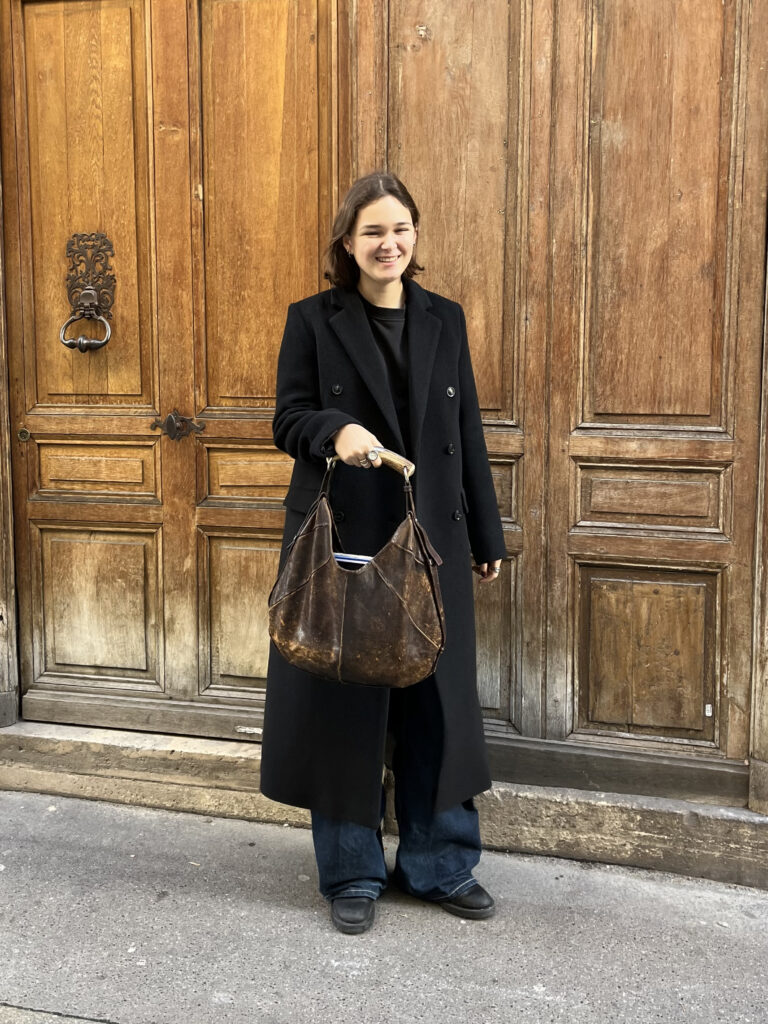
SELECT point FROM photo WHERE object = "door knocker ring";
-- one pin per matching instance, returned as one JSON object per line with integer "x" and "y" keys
{"x": 90, "y": 287}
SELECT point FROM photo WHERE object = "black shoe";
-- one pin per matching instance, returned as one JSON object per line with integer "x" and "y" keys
{"x": 353, "y": 914}
{"x": 475, "y": 904}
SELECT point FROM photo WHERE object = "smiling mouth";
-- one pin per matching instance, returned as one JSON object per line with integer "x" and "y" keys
{"x": 387, "y": 259}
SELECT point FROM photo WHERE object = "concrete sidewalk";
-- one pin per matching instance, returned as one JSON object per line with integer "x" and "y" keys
{"x": 137, "y": 916}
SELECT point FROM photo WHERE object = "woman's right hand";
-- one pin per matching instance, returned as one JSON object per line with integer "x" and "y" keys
{"x": 353, "y": 443}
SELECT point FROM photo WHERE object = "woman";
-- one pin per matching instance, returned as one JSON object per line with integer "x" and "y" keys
{"x": 378, "y": 362}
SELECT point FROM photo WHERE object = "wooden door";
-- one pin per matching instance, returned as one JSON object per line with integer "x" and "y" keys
{"x": 591, "y": 175}
{"x": 657, "y": 241}
{"x": 593, "y": 186}
{"x": 197, "y": 140}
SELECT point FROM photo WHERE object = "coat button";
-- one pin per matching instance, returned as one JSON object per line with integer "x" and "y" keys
{"x": 451, "y": 449}
{"x": 450, "y": 392}
{"x": 337, "y": 389}
{"x": 458, "y": 515}
{"x": 338, "y": 517}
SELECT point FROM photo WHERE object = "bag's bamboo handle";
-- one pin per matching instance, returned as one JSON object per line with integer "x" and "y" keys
{"x": 397, "y": 462}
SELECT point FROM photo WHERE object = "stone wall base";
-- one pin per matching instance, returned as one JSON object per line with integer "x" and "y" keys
{"x": 220, "y": 777}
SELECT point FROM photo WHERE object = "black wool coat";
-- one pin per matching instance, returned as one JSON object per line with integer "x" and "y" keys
{"x": 324, "y": 741}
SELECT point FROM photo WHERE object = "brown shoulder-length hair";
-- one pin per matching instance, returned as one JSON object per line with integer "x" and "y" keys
{"x": 338, "y": 267}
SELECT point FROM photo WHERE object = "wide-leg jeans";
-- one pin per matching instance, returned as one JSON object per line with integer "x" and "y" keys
{"x": 437, "y": 850}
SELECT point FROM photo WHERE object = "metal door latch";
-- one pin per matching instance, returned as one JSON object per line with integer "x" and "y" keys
{"x": 177, "y": 426}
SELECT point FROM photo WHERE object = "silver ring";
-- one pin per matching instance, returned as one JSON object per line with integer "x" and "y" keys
{"x": 364, "y": 463}
{"x": 373, "y": 454}
{"x": 496, "y": 570}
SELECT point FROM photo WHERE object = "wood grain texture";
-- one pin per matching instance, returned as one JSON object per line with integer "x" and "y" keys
{"x": 696, "y": 406}
{"x": 9, "y": 677}
{"x": 498, "y": 662}
{"x": 660, "y": 136}
{"x": 657, "y": 499}
{"x": 604, "y": 764}
{"x": 240, "y": 574}
{"x": 97, "y": 469}
{"x": 259, "y": 69}
{"x": 562, "y": 275}
{"x": 758, "y": 742}
{"x": 173, "y": 183}
{"x": 241, "y": 473}
{"x": 750, "y": 235}
{"x": 457, "y": 100}
{"x": 363, "y": 86}
{"x": 11, "y": 383}
{"x": 99, "y": 604}
{"x": 533, "y": 35}
{"x": 647, "y": 661}
{"x": 506, "y": 480}
{"x": 88, "y": 171}
{"x": 460, "y": 57}
{"x": 758, "y": 785}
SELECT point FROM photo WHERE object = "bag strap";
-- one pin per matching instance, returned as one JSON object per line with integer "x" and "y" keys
{"x": 391, "y": 459}
{"x": 430, "y": 554}
{"x": 407, "y": 468}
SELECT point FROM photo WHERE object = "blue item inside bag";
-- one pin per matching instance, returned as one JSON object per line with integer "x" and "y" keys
{"x": 351, "y": 561}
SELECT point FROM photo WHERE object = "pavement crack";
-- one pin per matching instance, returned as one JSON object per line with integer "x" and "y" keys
{"x": 57, "y": 1014}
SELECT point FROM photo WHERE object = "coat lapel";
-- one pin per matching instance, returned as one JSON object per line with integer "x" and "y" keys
{"x": 354, "y": 332}
{"x": 423, "y": 335}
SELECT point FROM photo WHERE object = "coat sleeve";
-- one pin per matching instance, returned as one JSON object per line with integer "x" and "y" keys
{"x": 301, "y": 426}
{"x": 486, "y": 537}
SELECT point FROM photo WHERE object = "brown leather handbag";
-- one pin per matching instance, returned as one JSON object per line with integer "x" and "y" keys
{"x": 377, "y": 621}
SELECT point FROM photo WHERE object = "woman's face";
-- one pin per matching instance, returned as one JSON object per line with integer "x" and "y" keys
{"x": 382, "y": 241}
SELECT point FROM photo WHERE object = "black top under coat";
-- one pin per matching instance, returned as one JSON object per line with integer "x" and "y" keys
{"x": 389, "y": 332}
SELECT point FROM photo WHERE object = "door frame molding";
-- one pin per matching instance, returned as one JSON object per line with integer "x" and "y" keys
{"x": 758, "y": 747}
{"x": 756, "y": 176}
{"x": 9, "y": 662}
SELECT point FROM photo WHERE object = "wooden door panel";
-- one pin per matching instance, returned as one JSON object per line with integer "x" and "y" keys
{"x": 661, "y": 183}
{"x": 237, "y": 571}
{"x": 88, "y": 480}
{"x": 496, "y": 608}
{"x": 243, "y": 474}
{"x": 648, "y": 659}
{"x": 260, "y": 187}
{"x": 98, "y": 470}
{"x": 690, "y": 500}
{"x": 86, "y": 169}
{"x": 98, "y": 592}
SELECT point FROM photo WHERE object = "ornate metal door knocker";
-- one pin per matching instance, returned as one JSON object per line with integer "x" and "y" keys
{"x": 90, "y": 287}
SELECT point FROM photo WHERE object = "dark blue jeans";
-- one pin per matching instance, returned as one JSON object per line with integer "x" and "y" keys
{"x": 437, "y": 851}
